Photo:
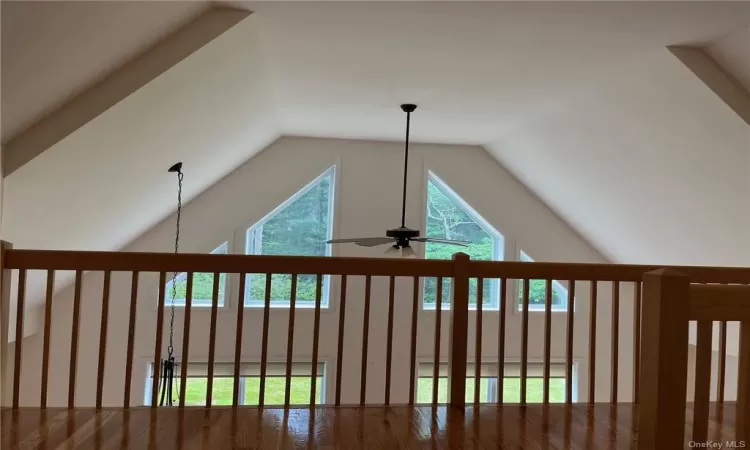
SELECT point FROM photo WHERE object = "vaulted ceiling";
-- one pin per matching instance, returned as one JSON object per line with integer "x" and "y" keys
{"x": 582, "y": 101}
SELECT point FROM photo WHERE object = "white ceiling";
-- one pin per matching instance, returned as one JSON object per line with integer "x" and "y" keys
{"x": 476, "y": 69}
{"x": 54, "y": 50}
{"x": 490, "y": 73}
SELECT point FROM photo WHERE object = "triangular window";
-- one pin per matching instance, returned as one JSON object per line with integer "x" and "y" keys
{"x": 298, "y": 227}
{"x": 538, "y": 292}
{"x": 450, "y": 217}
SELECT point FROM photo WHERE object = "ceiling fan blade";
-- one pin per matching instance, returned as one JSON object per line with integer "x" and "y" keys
{"x": 363, "y": 242}
{"x": 442, "y": 241}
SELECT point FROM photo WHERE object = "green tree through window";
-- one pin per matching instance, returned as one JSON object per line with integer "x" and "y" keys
{"x": 300, "y": 226}
{"x": 449, "y": 217}
{"x": 538, "y": 292}
{"x": 203, "y": 286}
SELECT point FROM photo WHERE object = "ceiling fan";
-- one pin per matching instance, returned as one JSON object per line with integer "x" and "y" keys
{"x": 400, "y": 237}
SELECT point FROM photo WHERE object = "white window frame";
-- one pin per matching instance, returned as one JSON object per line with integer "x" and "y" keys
{"x": 498, "y": 251}
{"x": 253, "y": 237}
{"x": 492, "y": 385}
{"x": 320, "y": 388}
{"x": 222, "y": 249}
{"x": 524, "y": 257}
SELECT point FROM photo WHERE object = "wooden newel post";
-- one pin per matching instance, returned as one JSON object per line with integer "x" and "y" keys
{"x": 664, "y": 355}
{"x": 743, "y": 385}
{"x": 457, "y": 350}
{"x": 5, "y": 280}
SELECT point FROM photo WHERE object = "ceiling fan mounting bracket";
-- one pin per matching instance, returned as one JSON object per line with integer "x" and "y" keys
{"x": 408, "y": 107}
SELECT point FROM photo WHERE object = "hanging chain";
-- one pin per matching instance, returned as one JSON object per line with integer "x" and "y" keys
{"x": 170, "y": 349}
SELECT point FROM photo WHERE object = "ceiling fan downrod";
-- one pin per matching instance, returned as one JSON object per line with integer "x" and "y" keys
{"x": 408, "y": 108}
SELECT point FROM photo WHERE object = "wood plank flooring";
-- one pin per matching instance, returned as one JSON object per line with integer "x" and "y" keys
{"x": 578, "y": 426}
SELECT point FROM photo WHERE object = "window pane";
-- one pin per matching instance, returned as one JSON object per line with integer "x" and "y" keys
{"x": 534, "y": 390}
{"x": 196, "y": 388}
{"x": 203, "y": 286}
{"x": 424, "y": 390}
{"x": 281, "y": 288}
{"x": 275, "y": 388}
{"x": 538, "y": 292}
{"x": 299, "y": 228}
{"x": 449, "y": 218}
{"x": 511, "y": 390}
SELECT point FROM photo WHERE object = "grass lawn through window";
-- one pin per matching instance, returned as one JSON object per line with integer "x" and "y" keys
{"x": 195, "y": 391}
{"x": 511, "y": 390}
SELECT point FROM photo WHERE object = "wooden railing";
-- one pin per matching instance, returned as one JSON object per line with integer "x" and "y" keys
{"x": 468, "y": 325}
{"x": 671, "y": 303}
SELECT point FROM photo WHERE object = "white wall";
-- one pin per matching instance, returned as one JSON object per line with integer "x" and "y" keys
{"x": 367, "y": 202}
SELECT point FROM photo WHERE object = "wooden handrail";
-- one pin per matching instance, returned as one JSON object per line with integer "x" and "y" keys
{"x": 193, "y": 262}
{"x": 623, "y": 273}
{"x": 208, "y": 263}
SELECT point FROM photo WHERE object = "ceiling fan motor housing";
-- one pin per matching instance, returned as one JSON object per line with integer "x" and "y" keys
{"x": 402, "y": 234}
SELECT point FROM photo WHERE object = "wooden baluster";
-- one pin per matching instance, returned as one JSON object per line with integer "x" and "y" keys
{"x": 316, "y": 338}
{"x": 722, "y": 370}
{"x": 743, "y": 384}
{"x": 592, "y": 343}
{"x": 501, "y": 340}
{"x": 569, "y": 343}
{"x": 547, "y": 339}
{"x": 365, "y": 337}
{"x": 6, "y": 277}
{"x": 158, "y": 340}
{"x": 389, "y": 341}
{"x": 290, "y": 341}
{"x": 264, "y": 344}
{"x": 103, "y": 339}
{"x": 340, "y": 351}
{"x": 459, "y": 332}
{"x": 524, "y": 340}
{"x": 636, "y": 342}
{"x": 702, "y": 380}
{"x": 212, "y": 340}
{"x": 478, "y": 343}
{"x": 19, "y": 337}
{"x": 661, "y": 410}
{"x": 47, "y": 336}
{"x": 413, "y": 355}
{"x": 131, "y": 339}
{"x": 74, "y": 340}
{"x": 186, "y": 338}
{"x": 438, "y": 327}
{"x": 615, "y": 350}
{"x": 238, "y": 341}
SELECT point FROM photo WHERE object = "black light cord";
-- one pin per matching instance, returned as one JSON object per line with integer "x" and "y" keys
{"x": 168, "y": 374}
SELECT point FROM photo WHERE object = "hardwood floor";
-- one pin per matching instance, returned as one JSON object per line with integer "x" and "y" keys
{"x": 508, "y": 427}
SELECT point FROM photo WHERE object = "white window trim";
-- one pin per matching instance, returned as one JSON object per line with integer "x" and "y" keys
{"x": 498, "y": 251}
{"x": 252, "y": 238}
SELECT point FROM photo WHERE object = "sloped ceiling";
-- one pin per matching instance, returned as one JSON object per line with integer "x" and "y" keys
{"x": 731, "y": 53}
{"x": 506, "y": 75}
{"x": 653, "y": 169}
{"x": 54, "y": 50}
